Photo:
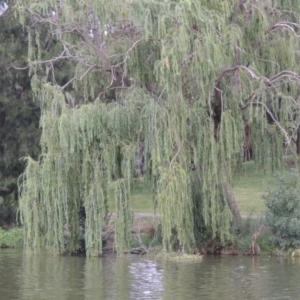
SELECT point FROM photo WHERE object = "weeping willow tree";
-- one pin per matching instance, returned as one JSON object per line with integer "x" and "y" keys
{"x": 179, "y": 77}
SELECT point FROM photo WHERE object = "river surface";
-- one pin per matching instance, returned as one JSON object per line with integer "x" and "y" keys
{"x": 133, "y": 277}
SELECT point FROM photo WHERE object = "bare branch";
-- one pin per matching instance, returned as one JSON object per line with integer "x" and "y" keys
{"x": 269, "y": 82}
{"x": 48, "y": 61}
{"x": 138, "y": 239}
{"x": 78, "y": 79}
{"x": 248, "y": 70}
{"x": 289, "y": 25}
{"x": 288, "y": 139}
{"x": 285, "y": 73}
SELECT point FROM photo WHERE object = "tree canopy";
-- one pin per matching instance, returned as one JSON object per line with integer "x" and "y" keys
{"x": 177, "y": 79}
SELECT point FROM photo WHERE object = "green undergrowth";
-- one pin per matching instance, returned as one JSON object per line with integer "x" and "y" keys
{"x": 245, "y": 236}
{"x": 12, "y": 238}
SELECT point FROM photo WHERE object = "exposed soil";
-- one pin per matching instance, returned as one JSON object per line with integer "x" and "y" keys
{"x": 143, "y": 224}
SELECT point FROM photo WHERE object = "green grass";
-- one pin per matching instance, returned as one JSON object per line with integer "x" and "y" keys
{"x": 142, "y": 197}
{"x": 249, "y": 184}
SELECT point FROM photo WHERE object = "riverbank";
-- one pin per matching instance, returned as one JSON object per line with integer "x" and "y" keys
{"x": 253, "y": 238}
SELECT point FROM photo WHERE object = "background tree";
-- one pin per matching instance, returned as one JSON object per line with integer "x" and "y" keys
{"x": 179, "y": 77}
{"x": 19, "y": 115}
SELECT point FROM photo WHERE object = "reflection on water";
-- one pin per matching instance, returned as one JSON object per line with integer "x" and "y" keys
{"x": 131, "y": 277}
{"x": 146, "y": 279}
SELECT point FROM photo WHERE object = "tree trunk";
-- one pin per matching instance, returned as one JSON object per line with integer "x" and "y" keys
{"x": 227, "y": 189}
{"x": 237, "y": 219}
{"x": 298, "y": 143}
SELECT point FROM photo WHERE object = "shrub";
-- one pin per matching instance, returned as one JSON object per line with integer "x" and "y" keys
{"x": 11, "y": 238}
{"x": 283, "y": 209}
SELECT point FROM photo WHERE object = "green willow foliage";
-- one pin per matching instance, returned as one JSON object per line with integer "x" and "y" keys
{"x": 182, "y": 77}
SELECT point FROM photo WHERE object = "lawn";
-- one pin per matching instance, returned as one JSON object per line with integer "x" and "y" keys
{"x": 249, "y": 184}
{"x": 141, "y": 198}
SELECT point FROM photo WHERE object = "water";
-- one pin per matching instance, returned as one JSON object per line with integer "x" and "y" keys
{"x": 132, "y": 277}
